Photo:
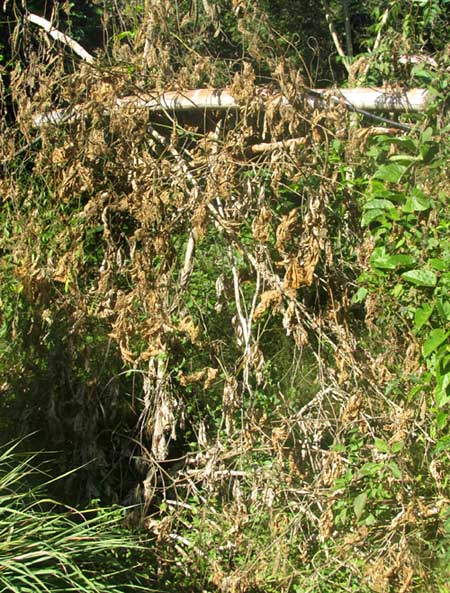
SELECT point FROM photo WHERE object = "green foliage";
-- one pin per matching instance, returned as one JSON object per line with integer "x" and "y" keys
{"x": 45, "y": 547}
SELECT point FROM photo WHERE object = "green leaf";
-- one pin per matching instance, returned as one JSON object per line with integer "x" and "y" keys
{"x": 420, "y": 277}
{"x": 402, "y": 260}
{"x": 417, "y": 203}
{"x": 381, "y": 445}
{"x": 436, "y": 337}
{"x": 391, "y": 172}
{"x": 370, "y": 520}
{"x": 442, "y": 445}
{"x": 439, "y": 264}
{"x": 370, "y": 468}
{"x": 359, "y": 503}
{"x": 371, "y": 215}
{"x": 441, "y": 420}
{"x": 360, "y": 295}
{"x": 381, "y": 259}
{"x": 379, "y": 203}
{"x": 397, "y": 446}
{"x": 422, "y": 315}
{"x": 443, "y": 308}
{"x": 447, "y": 525}
{"x": 395, "y": 470}
{"x": 441, "y": 392}
{"x": 427, "y": 135}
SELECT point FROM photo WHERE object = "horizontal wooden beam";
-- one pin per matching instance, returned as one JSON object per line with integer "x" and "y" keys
{"x": 366, "y": 99}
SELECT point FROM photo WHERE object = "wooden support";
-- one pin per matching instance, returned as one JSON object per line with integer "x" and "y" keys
{"x": 367, "y": 99}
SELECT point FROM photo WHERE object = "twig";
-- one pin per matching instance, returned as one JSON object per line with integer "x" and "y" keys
{"x": 271, "y": 146}
{"x": 348, "y": 29}
{"x": 377, "y": 43}
{"x": 50, "y": 29}
{"x": 384, "y": 19}
{"x": 337, "y": 43}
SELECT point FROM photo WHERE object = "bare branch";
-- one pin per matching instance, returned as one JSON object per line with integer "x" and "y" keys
{"x": 271, "y": 146}
{"x": 348, "y": 29}
{"x": 337, "y": 43}
{"x": 50, "y": 29}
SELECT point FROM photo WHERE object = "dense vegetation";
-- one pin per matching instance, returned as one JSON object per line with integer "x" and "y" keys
{"x": 225, "y": 332}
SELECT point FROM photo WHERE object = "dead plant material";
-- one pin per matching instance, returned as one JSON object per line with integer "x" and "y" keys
{"x": 261, "y": 226}
{"x": 270, "y": 299}
{"x": 285, "y": 230}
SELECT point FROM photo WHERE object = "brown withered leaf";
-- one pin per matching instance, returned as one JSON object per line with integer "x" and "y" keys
{"x": 187, "y": 326}
{"x": 298, "y": 275}
{"x": 207, "y": 375}
{"x": 285, "y": 230}
{"x": 64, "y": 268}
{"x": 261, "y": 225}
{"x": 269, "y": 299}
{"x": 199, "y": 219}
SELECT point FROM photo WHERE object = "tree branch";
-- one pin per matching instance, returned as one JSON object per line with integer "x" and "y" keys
{"x": 50, "y": 29}
{"x": 348, "y": 29}
{"x": 337, "y": 43}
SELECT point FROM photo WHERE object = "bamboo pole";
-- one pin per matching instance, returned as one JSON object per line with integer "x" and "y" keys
{"x": 368, "y": 99}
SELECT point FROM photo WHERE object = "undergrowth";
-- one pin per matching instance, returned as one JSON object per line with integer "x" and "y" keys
{"x": 240, "y": 319}
{"x": 46, "y": 547}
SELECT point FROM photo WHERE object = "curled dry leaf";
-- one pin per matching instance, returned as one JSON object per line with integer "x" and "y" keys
{"x": 261, "y": 225}
{"x": 207, "y": 375}
{"x": 187, "y": 326}
{"x": 270, "y": 299}
{"x": 285, "y": 230}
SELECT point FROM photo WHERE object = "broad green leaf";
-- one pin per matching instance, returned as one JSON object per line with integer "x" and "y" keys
{"x": 371, "y": 215}
{"x": 398, "y": 290}
{"x": 397, "y": 446}
{"x": 395, "y": 470}
{"x": 381, "y": 259}
{"x": 378, "y": 189}
{"x": 402, "y": 260}
{"x": 443, "y": 307}
{"x": 439, "y": 264}
{"x": 441, "y": 392}
{"x": 429, "y": 151}
{"x": 391, "y": 172}
{"x": 379, "y": 203}
{"x": 443, "y": 444}
{"x": 422, "y": 315}
{"x": 381, "y": 445}
{"x": 370, "y": 468}
{"x": 360, "y": 295}
{"x": 420, "y": 277}
{"x": 435, "y": 338}
{"x": 359, "y": 503}
{"x": 427, "y": 134}
{"x": 417, "y": 203}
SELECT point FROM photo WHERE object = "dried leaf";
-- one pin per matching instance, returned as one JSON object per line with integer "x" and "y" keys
{"x": 261, "y": 225}
{"x": 269, "y": 299}
{"x": 285, "y": 230}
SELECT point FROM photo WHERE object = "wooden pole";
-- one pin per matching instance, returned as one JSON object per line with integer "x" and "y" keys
{"x": 368, "y": 99}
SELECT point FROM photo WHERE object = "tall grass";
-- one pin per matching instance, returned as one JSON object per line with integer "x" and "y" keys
{"x": 47, "y": 547}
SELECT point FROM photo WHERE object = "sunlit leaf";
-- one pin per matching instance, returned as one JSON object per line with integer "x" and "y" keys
{"x": 359, "y": 503}
{"x": 420, "y": 277}
{"x": 435, "y": 338}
